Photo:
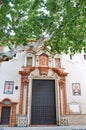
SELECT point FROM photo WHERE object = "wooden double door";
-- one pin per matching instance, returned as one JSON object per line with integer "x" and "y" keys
{"x": 43, "y": 108}
{"x": 5, "y": 118}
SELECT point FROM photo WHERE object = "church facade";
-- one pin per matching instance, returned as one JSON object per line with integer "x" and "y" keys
{"x": 38, "y": 89}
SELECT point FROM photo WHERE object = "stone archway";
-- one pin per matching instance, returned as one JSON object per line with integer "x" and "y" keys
{"x": 43, "y": 71}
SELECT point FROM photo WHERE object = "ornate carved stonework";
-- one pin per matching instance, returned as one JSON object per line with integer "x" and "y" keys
{"x": 62, "y": 81}
{"x": 26, "y": 70}
{"x": 24, "y": 83}
{"x": 43, "y": 60}
{"x": 43, "y": 70}
{"x": 25, "y": 79}
{"x": 59, "y": 71}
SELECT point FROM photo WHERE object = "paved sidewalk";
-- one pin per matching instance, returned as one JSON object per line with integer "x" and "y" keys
{"x": 80, "y": 127}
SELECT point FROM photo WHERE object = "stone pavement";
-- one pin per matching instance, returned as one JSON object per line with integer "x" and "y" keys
{"x": 79, "y": 127}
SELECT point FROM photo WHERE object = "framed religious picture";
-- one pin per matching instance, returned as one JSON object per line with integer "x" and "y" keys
{"x": 8, "y": 87}
{"x": 76, "y": 88}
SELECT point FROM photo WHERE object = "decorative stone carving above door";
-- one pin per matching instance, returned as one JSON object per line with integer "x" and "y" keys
{"x": 43, "y": 60}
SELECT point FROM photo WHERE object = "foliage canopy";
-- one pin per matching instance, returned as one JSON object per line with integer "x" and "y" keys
{"x": 63, "y": 20}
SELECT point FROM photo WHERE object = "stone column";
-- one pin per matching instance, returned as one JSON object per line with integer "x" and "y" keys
{"x": 27, "y": 98}
{"x": 21, "y": 99}
{"x": 62, "y": 84}
{"x": 24, "y": 83}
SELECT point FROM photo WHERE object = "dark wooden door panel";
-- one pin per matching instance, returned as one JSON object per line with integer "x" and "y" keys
{"x": 43, "y": 110}
{"x": 5, "y": 115}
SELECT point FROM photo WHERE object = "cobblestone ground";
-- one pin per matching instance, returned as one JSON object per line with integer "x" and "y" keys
{"x": 46, "y": 128}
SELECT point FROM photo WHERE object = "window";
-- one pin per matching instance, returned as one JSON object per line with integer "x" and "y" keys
{"x": 57, "y": 63}
{"x": 71, "y": 57}
{"x": 6, "y": 102}
{"x": 84, "y": 56}
{"x": 29, "y": 61}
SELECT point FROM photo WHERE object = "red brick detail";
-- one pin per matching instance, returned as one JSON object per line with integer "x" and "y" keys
{"x": 21, "y": 99}
{"x": 13, "y": 115}
{"x": 43, "y": 60}
{"x": 27, "y": 99}
{"x": 43, "y": 64}
{"x": 60, "y": 71}
{"x": 62, "y": 86}
{"x": 43, "y": 70}
{"x": 65, "y": 101}
{"x": 0, "y": 110}
{"x": 24, "y": 83}
{"x": 26, "y": 70}
{"x": 60, "y": 101}
{"x": 12, "y": 105}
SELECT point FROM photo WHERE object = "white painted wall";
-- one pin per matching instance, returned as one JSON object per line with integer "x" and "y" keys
{"x": 9, "y": 72}
{"x": 76, "y": 69}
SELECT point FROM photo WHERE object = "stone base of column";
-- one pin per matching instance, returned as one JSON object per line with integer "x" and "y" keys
{"x": 22, "y": 121}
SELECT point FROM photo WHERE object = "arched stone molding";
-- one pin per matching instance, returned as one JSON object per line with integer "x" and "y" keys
{"x": 9, "y": 103}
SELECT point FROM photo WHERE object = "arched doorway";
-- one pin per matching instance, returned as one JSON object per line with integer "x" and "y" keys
{"x": 5, "y": 115}
{"x": 8, "y": 112}
{"x": 35, "y": 94}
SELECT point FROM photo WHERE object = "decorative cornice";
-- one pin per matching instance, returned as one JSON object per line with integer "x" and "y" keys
{"x": 59, "y": 71}
{"x": 26, "y": 71}
{"x": 43, "y": 71}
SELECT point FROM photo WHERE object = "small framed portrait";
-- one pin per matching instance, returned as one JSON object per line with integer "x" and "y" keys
{"x": 8, "y": 87}
{"x": 76, "y": 88}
